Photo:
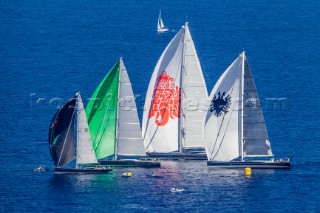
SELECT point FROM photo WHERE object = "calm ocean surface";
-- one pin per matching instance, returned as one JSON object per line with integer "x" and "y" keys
{"x": 51, "y": 49}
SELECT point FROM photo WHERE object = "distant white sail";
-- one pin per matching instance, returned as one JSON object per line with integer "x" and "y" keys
{"x": 129, "y": 142}
{"x": 85, "y": 153}
{"x": 232, "y": 128}
{"x": 160, "y": 26}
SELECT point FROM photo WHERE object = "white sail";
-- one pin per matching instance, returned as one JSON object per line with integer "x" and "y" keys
{"x": 129, "y": 139}
{"x": 255, "y": 135}
{"x": 193, "y": 96}
{"x": 85, "y": 153}
{"x": 223, "y": 120}
{"x": 161, "y": 114}
{"x": 177, "y": 82}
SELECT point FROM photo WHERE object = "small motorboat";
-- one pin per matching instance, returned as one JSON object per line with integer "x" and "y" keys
{"x": 40, "y": 169}
{"x": 176, "y": 190}
{"x": 127, "y": 174}
{"x": 154, "y": 175}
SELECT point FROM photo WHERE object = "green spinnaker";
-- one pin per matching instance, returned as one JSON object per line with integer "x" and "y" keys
{"x": 101, "y": 113}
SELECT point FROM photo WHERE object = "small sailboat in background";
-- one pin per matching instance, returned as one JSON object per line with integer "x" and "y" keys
{"x": 160, "y": 26}
{"x": 114, "y": 123}
{"x": 235, "y": 129}
{"x": 69, "y": 139}
{"x": 169, "y": 130}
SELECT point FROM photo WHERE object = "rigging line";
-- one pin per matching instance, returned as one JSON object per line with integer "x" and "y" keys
{"x": 153, "y": 124}
{"x": 64, "y": 143}
{"x": 223, "y": 136}
{"x": 220, "y": 129}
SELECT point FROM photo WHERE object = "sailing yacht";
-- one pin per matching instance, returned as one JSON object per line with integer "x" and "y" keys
{"x": 69, "y": 139}
{"x": 160, "y": 26}
{"x": 114, "y": 123}
{"x": 235, "y": 130}
{"x": 174, "y": 106}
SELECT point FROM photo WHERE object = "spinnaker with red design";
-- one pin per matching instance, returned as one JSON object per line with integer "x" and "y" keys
{"x": 175, "y": 100}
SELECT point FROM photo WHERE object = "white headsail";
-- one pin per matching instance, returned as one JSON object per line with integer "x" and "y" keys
{"x": 129, "y": 141}
{"x": 85, "y": 153}
{"x": 234, "y": 128}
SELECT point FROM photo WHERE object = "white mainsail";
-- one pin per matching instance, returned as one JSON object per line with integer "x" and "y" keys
{"x": 129, "y": 137}
{"x": 255, "y": 136}
{"x": 85, "y": 153}
{"x": 234, "y": 128}
{"x": 176, "y": 80}
{"x": 194, "y": 95}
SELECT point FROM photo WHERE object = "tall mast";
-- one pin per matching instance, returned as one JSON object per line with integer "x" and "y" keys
{"x": 242, "y": 103}
{"x": 181, "y": 91}
{"x": 117, "y": 120}
{"x": 76, "y": 128}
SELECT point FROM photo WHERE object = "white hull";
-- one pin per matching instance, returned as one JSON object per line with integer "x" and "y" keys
{"x": 161, "y": 30}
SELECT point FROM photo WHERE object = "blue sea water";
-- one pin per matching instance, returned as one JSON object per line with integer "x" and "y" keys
{"x": 51, "y": 49}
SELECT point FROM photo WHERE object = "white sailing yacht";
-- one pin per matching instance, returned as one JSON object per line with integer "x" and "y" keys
{"x": 160, "y": 26}
{"x": 174, "y": 106}
{"x": 235, "y": 130}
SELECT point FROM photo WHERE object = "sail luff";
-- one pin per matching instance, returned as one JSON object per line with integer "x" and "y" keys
{"x": 242, "y": 105}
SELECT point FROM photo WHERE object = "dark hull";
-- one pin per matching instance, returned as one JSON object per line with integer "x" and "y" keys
{"x": 178, "y": 156}
{"x": 131, "y": 163}
{"x": 83, "y": 171}
{"x": 251, "y": 164}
